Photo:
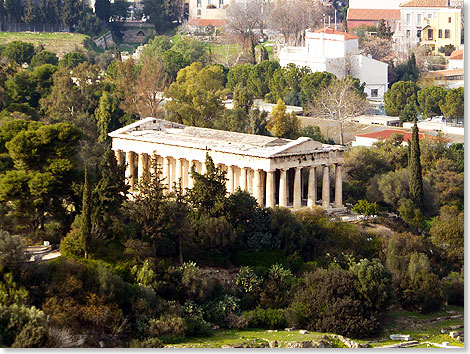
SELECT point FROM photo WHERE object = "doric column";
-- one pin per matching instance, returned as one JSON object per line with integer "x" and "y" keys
{"x": 312, "y": 187}
{"x": 118, "y": 154}
{"x": 185, "y": 170}
{"x": 243, "y": 174}
{"x": 142, "y": 165}
{"x": 230, "y": 179}
{"x": 297, "y": 189}
{"x": 326, "y": 187}
{"x": 178, "y": 170}
{"x": 270, "y": 198}
{"x": 166, "y": 170}
{"x": 130, "y": 178}
{"x": 283, "y": 189}
{"x": 171, "y": 177}
{"x": 257, "y": 187}
{"x": 190, "y": 178}
{"x": 249, "y": 181}
{"x": 338, "y": 186}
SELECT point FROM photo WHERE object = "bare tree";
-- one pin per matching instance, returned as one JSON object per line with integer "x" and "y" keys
{"x": 378, "y": 48}
{"x": 338, "y": 101}
{"x": 243, "y": 20}
{"x": 293, "y": 17}
{"x": 149, "y": 87}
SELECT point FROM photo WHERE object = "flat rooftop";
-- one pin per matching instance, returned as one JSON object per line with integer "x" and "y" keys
{"x": 160, "y": 131}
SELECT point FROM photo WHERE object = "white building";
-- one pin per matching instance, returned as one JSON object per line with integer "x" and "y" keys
{"x": 270, "y": 168}
{"x": 456, "y": 60}
{"x": 336, "y": 52}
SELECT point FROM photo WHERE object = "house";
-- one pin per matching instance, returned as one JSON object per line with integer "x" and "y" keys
{"x": 334, "y": 51}
{"x": 449, "y": 78}
{"x": 370, "y": 12}
{"x": 369, "y": 139}
{"x": 203, "y": 13}
{"x": 432, "y": 23}
{"x": 456, "y": 59}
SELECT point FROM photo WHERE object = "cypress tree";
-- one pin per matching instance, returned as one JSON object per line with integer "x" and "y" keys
{"x": 414, "y": 165}
{"x": 85, "y": 227}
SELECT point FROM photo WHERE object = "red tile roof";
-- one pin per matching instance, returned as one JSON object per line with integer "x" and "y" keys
{"x": 387, "y": 134}
{"x": 373, "y": 14}
{"x": 443, "y": 73}
{"x": 206, "y": 22}
{"x": 425, "y": 3}
{"x": 329, "y": 30}
{"x": 457, "y": 54}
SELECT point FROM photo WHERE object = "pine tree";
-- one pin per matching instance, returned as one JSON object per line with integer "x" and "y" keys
{"x": 414, "y": 165}
{"x": 85, "y": 228}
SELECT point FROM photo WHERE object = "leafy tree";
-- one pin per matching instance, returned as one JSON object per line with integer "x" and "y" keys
{"x": 408, "y": 71}
{"x": 12, "y": 252}
{"x": 312, "y": 84}
{"x": 119, "y": 8}
{"x": 275, "y": 289}
{"x": 414, "y": 166}
{"x": 401, "y": 93}
{"x": 104, "y": 114}
{"x": 447, "y": 49}
{"x": 384, "y": 31}
{"x": 285, "y": 79}
{"x": 19, "y": 52}
{"x": 103, "y": 9}
{"x": 208, "y": 193}
{"x": 44, "y": 57}
{"x": 282, "y": 124}
{"x": 196, "y": 96}
{"x": 453, "y": 105}
{"x": 22, "y": 88}
{"x": 365, "y": 208}
{"x": 448, "y": 181}
{"x": 238, "y": 75}
{"x": 71, "y": 60}
{"x": 235, "y": 120}
{"x": 258, "y": 123}
{"x": 70, "y": 13}
{"x": 158, "y": 14}
{"x": 85, "y": 229}
{"x": 411, "y": 215}
{"x": 429, "y": 99}
{"x": 314, "y": 133}
{"x": 257, "y": 82}
{"x": 242, "y": 98}
{"x": 447, "y": 233}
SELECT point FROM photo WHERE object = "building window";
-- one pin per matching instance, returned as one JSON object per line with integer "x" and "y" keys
{"x": 221, "y": 3}
{"x": 198, "y": 12}
{"x": 440, "y": 33}
{"x": 408, "y": 19}
{"x": 430, "y": 34}
{"x": 447, "y": 33}
{"x": 418, "y": 33}
{"x": 418, "y": 20}
{"x": 450, "y": 19}
{"x": 408, "y": 33}
{"x": 374, "y": 93}
{"x": 429, "y": 15}
{"x": 198, "y": 3}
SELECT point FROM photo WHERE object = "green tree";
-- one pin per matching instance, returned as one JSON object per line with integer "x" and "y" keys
{"x": 196, "y": 96}
{"x": 257, "y": 82}
{"x": 44, "y": 57}
{"x": 258, "y": 122}
{"x": 238, "y": 75}
{"x": 103, "y": 9}
{"x": 384, "y": 31}
{"x": 429, "y": 99}
{"x": 85, "y": 227}
{"x": 70, "y": 13}
{"x": 312, "y": 84}
{"x": 19, "y": 52}
{"x": 400, "y": 94}
{"x": 12, "y": 253}
{"x": 71, "y": 60}
{"x": 104, "y": 113}
{"x": 414, "y": 166}
{"x": 208, "y": 194}
{"x": 411, "y": 215}
{"x": 158, "y": 15}
{"x": 453, "y": 105}
{"x": 282, "y": 124}
{"x": 119, "y": 8}
{"x": 242, "y": 98}
{"x": 408, "y": 71}
{"x": 365, "y": 208}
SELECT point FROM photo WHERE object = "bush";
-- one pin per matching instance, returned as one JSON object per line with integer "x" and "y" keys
{"x": 71, "y": 245}
{"x": 167, "y": 326}
{"x": 266, "y": 318}
{"x": 44, "y": 57}
{"x": 19, "y": 52}
{"x": 218, "y": 311}
{"x": 454, "y": 289}
{"x": 147, "y": 343}
{"x": 196, "y": 324}
{"x": 196, "y": 286}
{"x": 247, "y": 281}
{"x": 71, "y": 60}
{"x": 275, "y": 290}
{"x": 329, "y": 302}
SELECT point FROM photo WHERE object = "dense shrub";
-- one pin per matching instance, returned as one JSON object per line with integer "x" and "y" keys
{"x": 266, "y": 318}
{"x": 218, "y": 310}
{"x": 167, "y": 326}
{"x": 276, "y": 287}
{"x": 147, "y": 343}
{"x": 454, "y": 289}
{"x": 329, "y": 302}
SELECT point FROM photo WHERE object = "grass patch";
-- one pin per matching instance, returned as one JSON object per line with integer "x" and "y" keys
{"x": 223, "y": 50}
{"x": 56, "y": 42}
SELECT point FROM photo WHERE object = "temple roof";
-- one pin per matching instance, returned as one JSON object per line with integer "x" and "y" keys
{"x": 169, "y": 133}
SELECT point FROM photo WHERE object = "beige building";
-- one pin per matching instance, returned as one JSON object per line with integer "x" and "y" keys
{"x": 275, "y": 171}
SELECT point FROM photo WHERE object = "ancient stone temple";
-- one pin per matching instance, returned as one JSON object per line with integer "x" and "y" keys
{"x": 275, "y": 171}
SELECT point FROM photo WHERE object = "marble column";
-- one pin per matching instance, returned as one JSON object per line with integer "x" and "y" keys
{"x": 190, "y": 177}
{"x": 326, "y": 187}
{"x": 130, "y": 178}
{"x": 312, "y": 187}
{"x": 172, "y": 169}
{"x": 166, "y": 170}
{"x": 297, "y": 188}
{"x": 185, "y": 178}
{"x": 338, "y": 186}
{"x": 243, "y": 173}
{"x": 178, "y": 171}
{"x": 230, "y": 181}
{"x": 142, "y": 165}
{"x": 257, "y": 187}
{"x": 270, "y": 189}
{"x": 249, "y": 181}
{"x": 118, "y": 154}
{"x": 283, "y": 189}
